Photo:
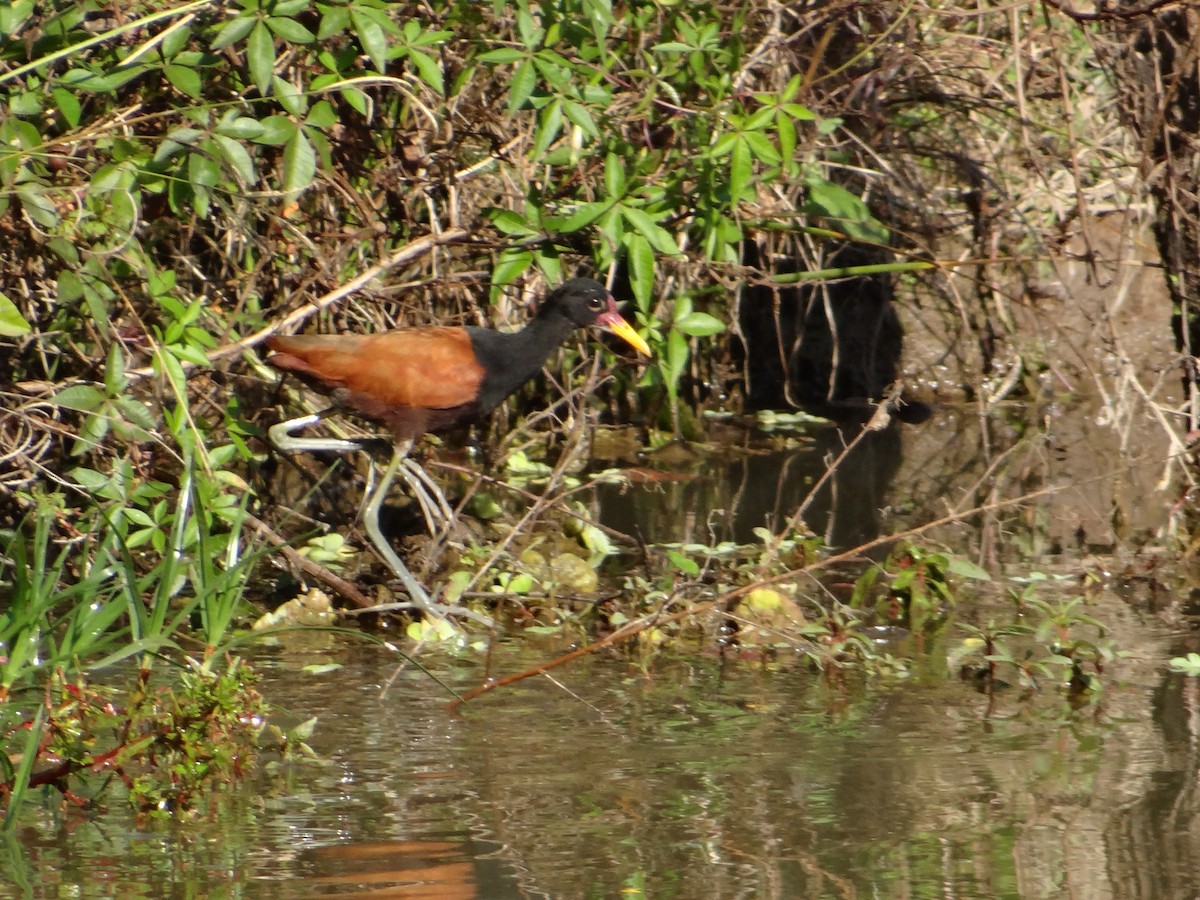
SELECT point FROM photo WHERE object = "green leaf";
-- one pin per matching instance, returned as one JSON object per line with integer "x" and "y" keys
{"x": 531, "y": 33}
{"x": 510, "y": 222}
{"x": 791, "y": 89}
{"x": 80, "y": 397}
{"x": 69, "y": 288}
{"x": 556, "y": 70}
{"x": 299, "y": 164}
{"x": 260, "y": 53}
{"x": 739, "y": 171}
{"x": 203, "y": 170}
{"x": 111, "y": 178}
{"x": 12, "y": 323}
{"x": 798, "y": 112}
{"x": 97, "y": 83}
{"x": 13, "y": 15}
{"x": 26, "y": 104}
{"x": 641, "y": 270}
{"x": 501, "y": 56}
{"x": 549, "y": 125}
{"x": 612, "y": 228}
{"x": 289, "y": 8}
{"x": 520, "y": 89}
{"x": 967, "y": 569}
{"x": 614, "y": 176}
{"x": 185, "y": 79}
{"x": 677, "y": 358}
{"x": 233, "y": 31}
{"x": 661, "y": 239}
{"x": 322, "y": 115}
{"x": 357, "y": 100}
{"x": 581, "y": 116}
{"x": 115, "y": 381}
{"x": 188, "y": 353}
{"x": 580, "y": 218}
{"x": 68, "y": 104}
{"x": 724, "y": 145}
{"x": 548, "y": 261}
{"x": 672, "y": 47}
{"x": 787, "y": 143}
{"x": 64, "y": 250}
{"x": 289, "y": 96}
{"x": 760, "y": 120}
{"x": 237, "y": 157}
{"x": 38, "y": 205}
{"x": 290, "y": 30}
{"x": 418, "y": 38}
{"x": 428, "y": 70}
{"x": 321, "y": 144}
{"x": 509, "y": 265}
{"x": 334, "y": 20}
{"x": 160, "y": 282}
{"x": 174, "y": 45}
{"x": 699, "y": 324}
{"x": 519, "y": 584}
{"x": 241, "y": 127}
{"x": 762, "y": 148}
{"x": 276, "y": 130}
{"x": 91, "y": 480}
{"x": 848, "y": 212}
{"x": 136, "y": 412}
{"x": 683, "y": 307}
{"x": 320, "y": 669}
{"x": 562, "y": 155}
{"x": 372, "y": 38}
{"x": 682, "y": 563}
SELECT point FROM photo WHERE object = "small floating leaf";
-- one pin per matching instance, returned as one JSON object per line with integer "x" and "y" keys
{"x": 320, "y": 669}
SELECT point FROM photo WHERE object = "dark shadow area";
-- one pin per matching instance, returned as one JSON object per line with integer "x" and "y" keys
{"x": 727, "y": 500}
{"x": 827, "y": 347}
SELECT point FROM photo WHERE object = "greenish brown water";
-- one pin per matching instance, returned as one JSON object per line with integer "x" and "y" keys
{"x": 716, "y": 777}
{"x": 702, "y": 779}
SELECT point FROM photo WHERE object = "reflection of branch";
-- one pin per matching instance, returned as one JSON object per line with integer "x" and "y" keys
{"x": 879, "y": 421}
{"x": 620, "y": 634}
{"x": 655, "y": 619}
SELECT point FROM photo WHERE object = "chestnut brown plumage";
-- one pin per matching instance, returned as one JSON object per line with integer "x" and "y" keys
{"x": 419, "y": 380}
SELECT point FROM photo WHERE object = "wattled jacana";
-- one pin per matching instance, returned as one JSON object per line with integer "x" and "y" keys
{"x": 419, "y": 380}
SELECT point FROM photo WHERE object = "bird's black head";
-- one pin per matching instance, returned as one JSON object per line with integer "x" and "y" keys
{"x": 582, "y": 300}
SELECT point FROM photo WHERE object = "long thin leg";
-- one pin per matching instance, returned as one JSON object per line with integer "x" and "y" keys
{"x": 429, "y": 495}
{"x": 371, "y": 519}
{"x": 281, "y": 436}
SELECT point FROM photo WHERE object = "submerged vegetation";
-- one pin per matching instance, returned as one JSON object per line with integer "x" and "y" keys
{"x": 179, "y": 182}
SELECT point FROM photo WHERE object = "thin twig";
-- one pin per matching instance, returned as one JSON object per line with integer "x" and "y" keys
{"x": 407, "y": 253}
{"x": 316, "y": 571}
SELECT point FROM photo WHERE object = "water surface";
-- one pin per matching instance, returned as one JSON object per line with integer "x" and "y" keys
{"x": 703, "y": 775}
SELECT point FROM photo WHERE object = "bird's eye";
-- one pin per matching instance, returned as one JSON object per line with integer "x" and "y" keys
{"x": 596, "y": 303}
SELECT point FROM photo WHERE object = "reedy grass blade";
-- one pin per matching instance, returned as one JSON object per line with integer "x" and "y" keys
{"x": 20, "y": 782}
